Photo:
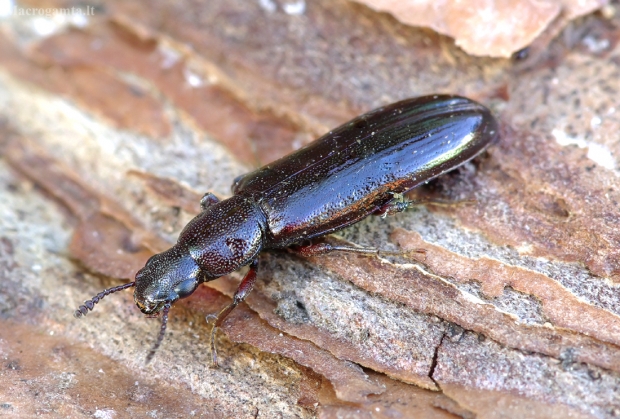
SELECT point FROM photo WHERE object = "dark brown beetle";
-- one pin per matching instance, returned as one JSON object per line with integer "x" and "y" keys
{"x": 360, "y": 168}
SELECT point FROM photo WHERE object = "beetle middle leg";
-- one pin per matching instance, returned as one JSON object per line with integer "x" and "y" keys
{"x": 398, "y": 203}
{"x": 243, "y": 290}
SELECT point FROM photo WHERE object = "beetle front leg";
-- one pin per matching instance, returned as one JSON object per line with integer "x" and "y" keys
{"x": 244, "y": 289}
{"x": 208, "y": 200}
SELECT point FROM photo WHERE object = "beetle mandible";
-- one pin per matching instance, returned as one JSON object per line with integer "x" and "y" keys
{"x": 360, "y": 168}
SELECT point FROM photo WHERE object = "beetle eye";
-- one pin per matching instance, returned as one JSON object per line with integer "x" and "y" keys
{"x": 186, "y": 287}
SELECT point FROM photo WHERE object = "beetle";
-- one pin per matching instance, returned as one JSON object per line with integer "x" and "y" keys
{"x": 361, "y": 168}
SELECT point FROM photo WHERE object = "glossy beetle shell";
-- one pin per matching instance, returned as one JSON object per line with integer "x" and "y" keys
{"x": 355, "y": 169}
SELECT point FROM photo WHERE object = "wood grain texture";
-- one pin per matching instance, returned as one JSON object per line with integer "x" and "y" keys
{"x": 110, "y": 133}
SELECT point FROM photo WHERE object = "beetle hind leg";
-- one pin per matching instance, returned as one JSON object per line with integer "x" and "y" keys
{"x": 321, "y": 248}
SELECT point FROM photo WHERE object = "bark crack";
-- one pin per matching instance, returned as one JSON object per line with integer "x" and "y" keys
{"x": 431, "y": 371}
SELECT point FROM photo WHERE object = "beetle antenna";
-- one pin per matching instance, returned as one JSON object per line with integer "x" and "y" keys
{"x": 90, "y": 304}
{"x": 162, "y": 331}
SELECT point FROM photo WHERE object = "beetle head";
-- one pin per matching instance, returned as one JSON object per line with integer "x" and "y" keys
{"x": 166, "y": 277}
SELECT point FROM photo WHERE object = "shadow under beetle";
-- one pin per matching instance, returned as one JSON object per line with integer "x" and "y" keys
{"x": 360, "y": 168}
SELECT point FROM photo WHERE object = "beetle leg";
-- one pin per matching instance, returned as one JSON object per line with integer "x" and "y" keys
{"x": 443, "y": 203}
{"x": 398, "y": 204}
{"x": 207, "y": 200}
{"x": 322, "y": 248}
{"x": 236, "y": 183}
{"x": 244, "y": 289}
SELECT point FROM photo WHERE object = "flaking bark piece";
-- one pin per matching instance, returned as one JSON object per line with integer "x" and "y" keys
{"x": 431, "y": 294}
{"x": 483, "y": 28}
{"x": 561, "y": 308}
